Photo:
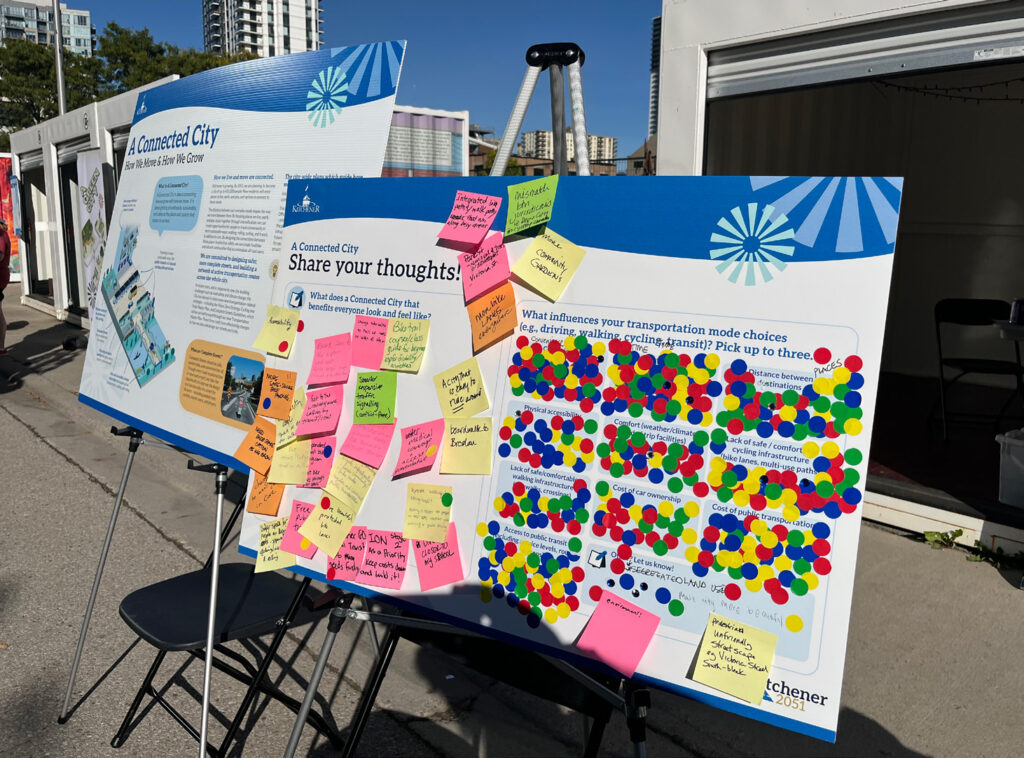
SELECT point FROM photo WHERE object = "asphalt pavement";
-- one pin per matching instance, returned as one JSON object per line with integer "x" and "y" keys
{"x": 933, "y": 665}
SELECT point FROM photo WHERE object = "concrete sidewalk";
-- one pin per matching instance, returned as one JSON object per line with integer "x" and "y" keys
{"x": 933, "y": 665}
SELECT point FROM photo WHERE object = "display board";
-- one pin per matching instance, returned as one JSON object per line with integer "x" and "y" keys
{"x": 664, "y": 471}
{"x": 10, "y": 211}
{"x": 194, "y": 238}
{"x": 92, "y": 221}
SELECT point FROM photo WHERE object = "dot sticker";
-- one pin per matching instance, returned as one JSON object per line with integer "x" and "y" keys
{"x": 432, "y": 451}
{"x": 446, "y": 500}
{"x": 821, "y": 355}
{"x": 283, "y": 347}
{"x": 266, "y": 403}
{"x": 327, "y": 451}
{"x": 794, "y": 623}
{"x": 325, "y": 503}
{"x": 301, "y": 326}
{"x": 304, "y": 545}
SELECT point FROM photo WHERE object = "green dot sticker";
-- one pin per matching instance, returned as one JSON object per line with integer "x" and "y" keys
{"x": 446, "y": 500}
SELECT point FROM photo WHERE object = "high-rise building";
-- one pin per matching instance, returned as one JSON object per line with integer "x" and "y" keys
{"x": 262, "y": 27}
{"x": 32, "y": 20}
{"x": 541, "y": 144}
{"x": 652, "y": 114}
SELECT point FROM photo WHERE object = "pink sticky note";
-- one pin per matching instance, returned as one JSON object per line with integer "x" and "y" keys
{"x": 470, "y": 218}
{"x": 344, "y": 567}
{"x": 420, "y": 445}
{"x": 387, "y": 555}
{"x": 321, "y": 455}
{"x": 485, "y": 268}
{"x": 618, "y": 633}
{"x": 369, "y": 443}
{"x": 368, "y": 338}
{"x": 292, "y": 540}
{"x": 323, "y": 409}
{"x": 439, "y": 563}
{"x": 332, "y": 359}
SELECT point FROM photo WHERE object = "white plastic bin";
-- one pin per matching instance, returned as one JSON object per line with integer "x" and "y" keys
{"x": 1011, "y": 467}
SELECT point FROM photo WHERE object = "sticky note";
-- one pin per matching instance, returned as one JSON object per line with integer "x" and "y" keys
{"x": 257, "y": 448}
{"x": 385, "y": 560}
{"x": 293, "y": 542}
{"x": 618, "y": 633}
{"x": 485, "y": 268}
{"x": 405, "y": 344}
{"x": 286, "y": 428}
{"x": 321, "y": 456}
{"x": 369, "y": 443}
{"x": 344, "y": 566}
{"x": 735, "y": 658}
{"x": 470, "y": 218}
{"x": 420, "y": 445}
{"x": 322, "y": 411}
{"x": 375, "y": 397}
{"x": 278, "y": 332}
{"x": 278, "y": 389}
{"x": 264, "y": 498}
{"x": 468, "y": 446}
{"x": 529, "y": 204}
{"x": 492, "y": 317}
{"x": 368, "y": 336}
{"x": 548, "y": 264}
{"x": 439, "y": 563}
{"x": 290, "y": 464}
{"x": 350, "y": 479}
{"x": 332, "y": 360}
{"x": 461, "y": 391}
{"x": 269, "y": 556}
{"x": 428, "y": 511}
{"x": 328, "y": 525}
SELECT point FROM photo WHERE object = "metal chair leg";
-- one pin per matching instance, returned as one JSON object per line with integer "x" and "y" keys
{"x": 123, "y": 731}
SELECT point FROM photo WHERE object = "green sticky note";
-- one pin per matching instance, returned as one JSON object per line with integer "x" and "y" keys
{"x": 375, "y": 397}
{"x": 530, "y": 203}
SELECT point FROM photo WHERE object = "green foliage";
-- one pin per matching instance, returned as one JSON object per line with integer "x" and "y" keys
{"x": 996, "y": 557}
{"x": 941, "y": 540}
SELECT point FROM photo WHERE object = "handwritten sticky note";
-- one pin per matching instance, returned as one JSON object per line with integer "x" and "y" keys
{"x": 293, "y": 542}
{"x": 530, "y": 203}
{"x": 471, "y": 217}
{"x": 286, "y": 428}
{"x": 548, "y": 264}
{"x": 618, "y": 633}
{"x": 257, "y": 448}
{"x": 264, "y": 497}
{"x": 439, "y": 563}
{"x": 375, "y": 397}
{"x": 461, "y": 391}
{"x": 278, "y": 389}
{"x": 468, "y": 446}
{"x": 485, "y": 268}
{"x": 350, "y": 479}
{"x": 735, "y": 658}
{"x": 420, "y": 445}
{"x": 332, "y": 360}
{"x": 290, "y": 464}
{"x": 428, "y": 510}
{"x": 368, "y": 337}
{"x": 278, "y": 332}
{"x": 269, "y": 556}
{"x": 321, "y": 456}
{"x": 327, "y": 526}
{"x": 322, "y": 411}
{"x": 492, "y": 317}
{"x": 344, "y": 566}
{"x": 405, "y": 344}
{"x": 385, "y": 561}
{"x": 369, "y": 443}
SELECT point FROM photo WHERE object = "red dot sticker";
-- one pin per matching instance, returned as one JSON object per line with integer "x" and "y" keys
{"x": 325, "y": 503}
{"x": 301, "y": 326}
{"x": 732, "y": 592}
{"x": 283, "y": 347}
{"x": 822, "y": 355}
{"x": 330, "y": 574}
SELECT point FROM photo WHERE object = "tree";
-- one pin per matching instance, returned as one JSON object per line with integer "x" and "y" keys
{"x": 512, "y": 168}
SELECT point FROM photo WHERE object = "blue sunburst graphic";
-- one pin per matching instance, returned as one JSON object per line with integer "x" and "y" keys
{"x": 325, "y": 97}
{"x": 750, "y": 241}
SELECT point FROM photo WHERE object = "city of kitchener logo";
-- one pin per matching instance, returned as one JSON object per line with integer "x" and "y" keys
{"x": 306, "y": 205}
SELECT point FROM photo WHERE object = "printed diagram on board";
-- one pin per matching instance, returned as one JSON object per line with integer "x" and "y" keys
{"x": 132, "y": 308}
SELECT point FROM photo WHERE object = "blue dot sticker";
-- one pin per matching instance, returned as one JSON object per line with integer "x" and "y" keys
{"x": 266, "y": 403}
{"x": 327, "y": 451}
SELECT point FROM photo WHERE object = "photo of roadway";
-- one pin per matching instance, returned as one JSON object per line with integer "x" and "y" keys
{"x": 235, "y": 404}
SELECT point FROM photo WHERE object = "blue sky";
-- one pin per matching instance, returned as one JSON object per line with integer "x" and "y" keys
{"x": 465, "y": 56}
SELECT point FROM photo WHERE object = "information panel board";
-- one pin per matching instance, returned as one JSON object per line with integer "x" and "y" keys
{"x": 664, "y": 470}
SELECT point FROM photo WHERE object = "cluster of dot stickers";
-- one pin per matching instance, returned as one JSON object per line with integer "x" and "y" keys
{"x": 527, "y": 507}
{"x": 626, "y": 451}
{"x": 569, "y": 370}
{"x": 541, "y": 586}
{"x": 660, "y": 527}
{"x": 543, "y": 444}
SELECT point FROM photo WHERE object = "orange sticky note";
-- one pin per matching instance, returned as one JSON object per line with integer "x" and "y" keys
{"x": 264, "y": 497}
{"x": 492, "y": 317}
{"x": 278, "y": 388}
{"x": 257, "y": 449}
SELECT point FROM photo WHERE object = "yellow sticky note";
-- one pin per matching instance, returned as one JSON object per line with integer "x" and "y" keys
{"x": 257, "y": 448}
{"x": 405, "y": 343}
{"x": 290, "y": 464}
{"x": 461, "y": 391}
{"x": 735, "y": 658}
{"x": 468, "y": 446}
{"x": 329, "y": 523}
{"x": 428, "y": 509}
{"x": 278, "y": 332}
{"x": 286, "y": 428}
{"x": 269, "y": 556}
{"x": 548, "y": 264}
{"x": 349, "y": 479}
